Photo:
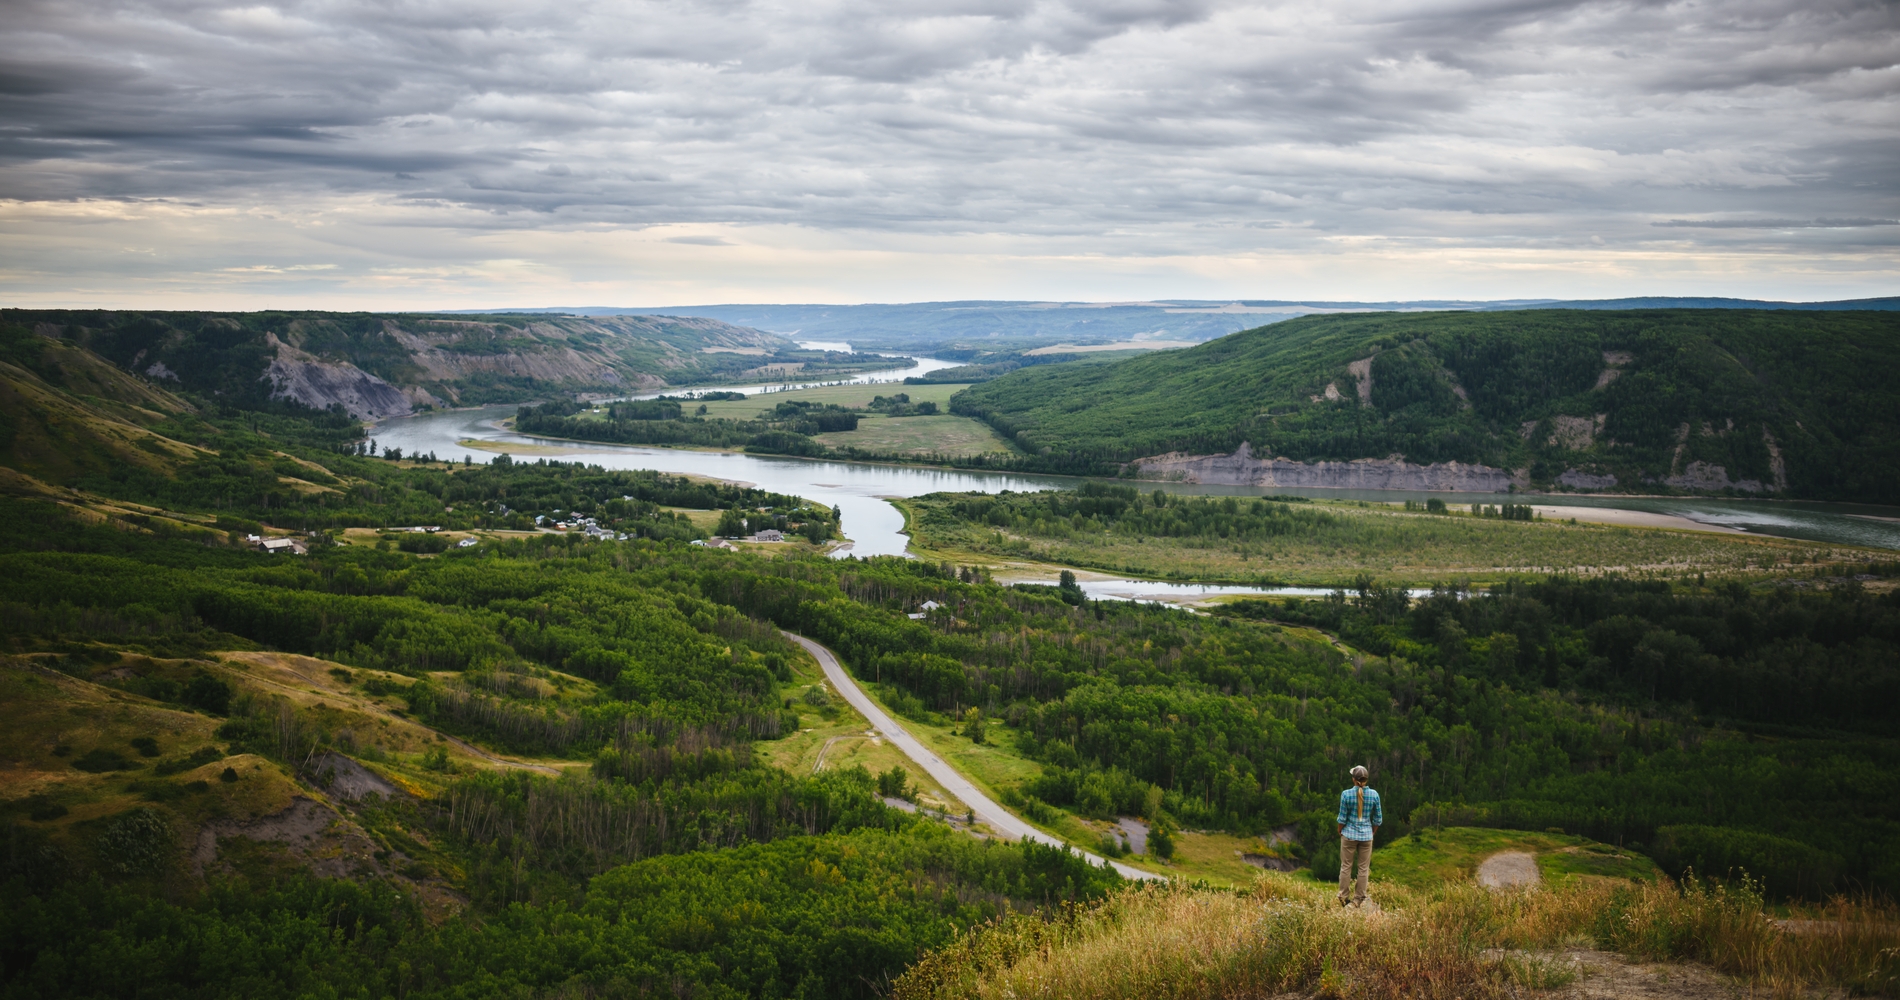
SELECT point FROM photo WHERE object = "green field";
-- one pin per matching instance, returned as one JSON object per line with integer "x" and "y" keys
{"x": 1342, "y": 540}
{"x": 854, "y": 396}
{"x": 939, "y": 435}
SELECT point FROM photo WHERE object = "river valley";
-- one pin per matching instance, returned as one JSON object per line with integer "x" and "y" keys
{"x": 874, "y": 526}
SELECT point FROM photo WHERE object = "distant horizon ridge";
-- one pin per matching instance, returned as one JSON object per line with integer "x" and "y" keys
{"x": 1887, "y": 302}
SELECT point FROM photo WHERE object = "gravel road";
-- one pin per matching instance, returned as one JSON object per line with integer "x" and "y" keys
{"x": 987, "y": 811}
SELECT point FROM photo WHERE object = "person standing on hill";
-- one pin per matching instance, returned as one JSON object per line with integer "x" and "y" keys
{"x": 1359, "y": 817}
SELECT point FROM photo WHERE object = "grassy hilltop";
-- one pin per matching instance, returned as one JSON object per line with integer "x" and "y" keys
{"x": 1811, "y": 400}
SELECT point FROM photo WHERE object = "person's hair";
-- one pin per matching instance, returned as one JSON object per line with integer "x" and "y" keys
{"x": 1359, "y": 773}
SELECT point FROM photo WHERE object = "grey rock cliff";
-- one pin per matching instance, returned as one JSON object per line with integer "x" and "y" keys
{"x": 317, "y": 384}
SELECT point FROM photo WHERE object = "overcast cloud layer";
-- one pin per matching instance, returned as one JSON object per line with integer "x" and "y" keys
{"x": 423, "y": 154}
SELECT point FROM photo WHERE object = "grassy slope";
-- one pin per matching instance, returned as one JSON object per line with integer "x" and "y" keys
{"x": 67, "y": 413}
{"x": 1285, "y": 937}
{"x": 1393, "y": 545}
{"x": 1822, "y": 384}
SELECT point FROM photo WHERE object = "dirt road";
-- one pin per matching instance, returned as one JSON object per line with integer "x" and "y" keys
{"x": 987, "y": 811}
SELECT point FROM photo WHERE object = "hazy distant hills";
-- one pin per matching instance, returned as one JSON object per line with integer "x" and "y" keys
{"x": 1763, "y": 402}
{"x": 954, "y": 329}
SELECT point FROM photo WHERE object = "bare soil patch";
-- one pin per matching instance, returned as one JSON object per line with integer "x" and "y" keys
{"x": 1508, "y": 869}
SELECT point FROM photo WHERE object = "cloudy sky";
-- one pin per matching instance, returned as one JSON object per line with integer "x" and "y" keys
{"x": 444, "y": 153}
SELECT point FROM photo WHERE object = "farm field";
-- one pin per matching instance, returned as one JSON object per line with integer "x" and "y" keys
{"x": 1338, "y": 540}
{"x": 938, "y": 435}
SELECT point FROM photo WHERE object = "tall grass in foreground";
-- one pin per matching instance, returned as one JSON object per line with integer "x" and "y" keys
{"x": 1457, "y": 941}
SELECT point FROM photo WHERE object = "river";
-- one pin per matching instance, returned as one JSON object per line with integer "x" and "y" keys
{"x": 875, "y": 527}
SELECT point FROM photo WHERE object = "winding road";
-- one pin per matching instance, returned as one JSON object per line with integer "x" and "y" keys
{"x": 1001, "y": 820}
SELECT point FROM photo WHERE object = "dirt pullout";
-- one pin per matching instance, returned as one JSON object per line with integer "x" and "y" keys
{"x": 1508, "y": 869}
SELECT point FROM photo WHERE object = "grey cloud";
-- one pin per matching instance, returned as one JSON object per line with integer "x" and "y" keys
{"x": 1199, "y": 127}
{"x": 1775, "y": 223}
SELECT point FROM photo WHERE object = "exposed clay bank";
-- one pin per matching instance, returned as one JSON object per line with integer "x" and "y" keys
{"x": 1243, "y": 469}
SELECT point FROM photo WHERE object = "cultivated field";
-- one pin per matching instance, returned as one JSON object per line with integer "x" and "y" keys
{"x": 939, "y": 435}
{"x": 1392, "y": 545}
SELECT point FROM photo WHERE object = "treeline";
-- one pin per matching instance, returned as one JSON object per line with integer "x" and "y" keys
{"x": 1786, "y": 655}
{"x": 838, "y": 915}
{"x": 786, "y": 430}
{"x": 1095, "y": 508}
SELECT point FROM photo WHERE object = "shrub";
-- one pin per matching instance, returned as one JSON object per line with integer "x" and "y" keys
{"x": 145, "y": 745}
{"x": 229, "y": 776}
{"x": 895, "y": 783}
{"x": 44, "y": 810}
{"x": 99, "y": 760}
{"x": 137, "y": 843}
{"x": 423, "y": 544}
{"x": 1161, "y": 839}
{"x": 209, "y": 694}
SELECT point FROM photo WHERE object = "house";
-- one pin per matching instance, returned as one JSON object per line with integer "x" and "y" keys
{"x": 931, "y": 605}
{"x": 468, "y": 543}
{"x": 769, "y": 535}
{"x": 278, "y": 546}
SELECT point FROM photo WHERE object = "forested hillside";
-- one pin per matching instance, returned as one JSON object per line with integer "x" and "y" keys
{"x": 381, "y": 365}
{"x": 1764, "y": 402}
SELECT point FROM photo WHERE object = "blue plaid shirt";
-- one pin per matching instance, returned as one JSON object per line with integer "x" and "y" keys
{"x": 1359, "y": 809}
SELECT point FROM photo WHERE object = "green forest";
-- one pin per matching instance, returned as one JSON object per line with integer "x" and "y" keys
{"x": 1651, "y": 401}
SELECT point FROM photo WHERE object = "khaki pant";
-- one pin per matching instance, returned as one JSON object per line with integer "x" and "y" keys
{"x": 1354, "y": 852}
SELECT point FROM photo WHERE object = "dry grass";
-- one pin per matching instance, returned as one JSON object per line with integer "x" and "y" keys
{"x": 1456, "y": 941}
